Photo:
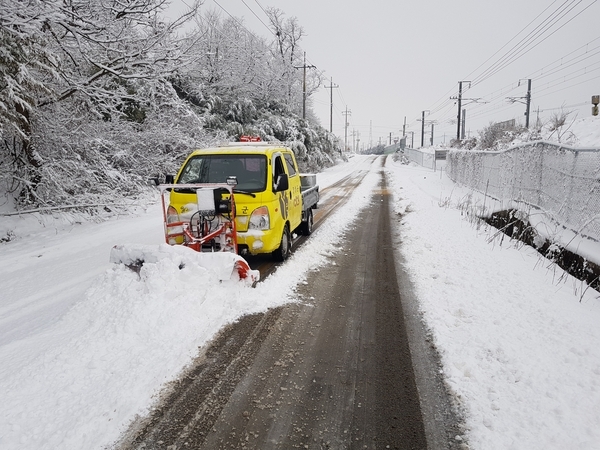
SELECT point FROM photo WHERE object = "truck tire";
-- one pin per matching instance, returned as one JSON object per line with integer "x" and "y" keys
{"x": 306, "y": 228}
{"x": 285, "y": 246}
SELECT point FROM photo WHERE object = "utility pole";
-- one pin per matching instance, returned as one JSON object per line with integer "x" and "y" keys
{"x": 464, "y": 121}
{"x": 432, "y": 123}
{"x": 423, "y": 127}
{"x": 527, "y": 101}
{"x": 331, "y": 87}
{"x": 346, "y": 113}
{"x": 404, "y": 127}
{"x": 390, "y": 138}
{"x": 304, "y": 66}
{"x": 459, "y": 98}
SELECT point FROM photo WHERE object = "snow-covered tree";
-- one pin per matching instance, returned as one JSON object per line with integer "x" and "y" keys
{"x": 95, "y": 96}
{"x": 76, "y": 61}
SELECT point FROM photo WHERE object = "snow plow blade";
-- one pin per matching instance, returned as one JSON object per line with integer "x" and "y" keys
{"x": 225, "y": 265}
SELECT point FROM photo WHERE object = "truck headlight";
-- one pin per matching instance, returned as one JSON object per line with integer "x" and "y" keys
{"x": 259, "y": 219}
{"x": 172, "y": 215}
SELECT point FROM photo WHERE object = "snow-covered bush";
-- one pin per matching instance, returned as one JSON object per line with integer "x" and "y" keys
{"x": 559, "y": 126}
{"x": 497, "y": 136}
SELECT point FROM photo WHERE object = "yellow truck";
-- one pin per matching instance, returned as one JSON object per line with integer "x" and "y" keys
{"x": 273, "y": 201}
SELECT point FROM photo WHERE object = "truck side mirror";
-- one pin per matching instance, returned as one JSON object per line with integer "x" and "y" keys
{"x": 169, "y": 179}
{"x": 282, "y": 183}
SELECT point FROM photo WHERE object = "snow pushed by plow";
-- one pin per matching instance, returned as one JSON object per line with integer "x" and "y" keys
{"x": 83, "y": 373}
{"x": 224, "y": 265}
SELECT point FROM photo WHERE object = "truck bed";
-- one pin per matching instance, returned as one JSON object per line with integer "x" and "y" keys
{"x": 310, "y": 190}
{"x": 310, "y": 197}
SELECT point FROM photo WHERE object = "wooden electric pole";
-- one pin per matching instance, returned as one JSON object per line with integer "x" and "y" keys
{"x": 331, "y": 87}
{"x": 304, "y": 66}
{"x": 346, "y": 113}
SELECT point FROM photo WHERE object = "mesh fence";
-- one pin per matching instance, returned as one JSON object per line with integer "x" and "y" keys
{"x": 421, "y": 158}
{"x": 563, "y": 182}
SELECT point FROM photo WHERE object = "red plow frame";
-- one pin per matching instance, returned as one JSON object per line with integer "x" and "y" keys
{"x": 218, "y": 234}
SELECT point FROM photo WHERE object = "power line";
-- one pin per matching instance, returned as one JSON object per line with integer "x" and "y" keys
{"x": 236, "y": 20}
{"x": 571, "y": 85}
{"x": 563, "y": 25}
{"x": 560, "y": 60}
{"x": 523, "y": 42}
{"x": 515, "y": 36}
{"x": 256, "y": 15}
{"x": 261, "y": 7}
{"x": 565, "y": 67}
{"x": 269, "y": 17}
{"x": 576, "y": 74}
{"x": 258, "y": 38}
{"x": 524, "y": 46}
{"x": 505, "y": 60}
{"x": 565, "y": 62}
{"x": 564, "y": 107}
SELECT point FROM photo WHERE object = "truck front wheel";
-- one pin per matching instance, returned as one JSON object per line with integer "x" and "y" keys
{"x": 285, "y": 246}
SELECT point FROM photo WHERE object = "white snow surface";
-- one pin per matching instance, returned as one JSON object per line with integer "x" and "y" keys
{"x": 518, "y": 337}
{"x": 582, "y": 132}
{"x": 86, "y": 346}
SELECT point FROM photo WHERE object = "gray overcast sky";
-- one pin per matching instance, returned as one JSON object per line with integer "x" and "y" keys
{"x": 393, "y": 59}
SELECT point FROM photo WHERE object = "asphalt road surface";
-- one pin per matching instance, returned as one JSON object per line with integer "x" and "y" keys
{"x": 336, "y": 371}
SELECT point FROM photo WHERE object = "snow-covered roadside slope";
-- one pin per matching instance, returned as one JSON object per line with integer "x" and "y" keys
{"x": 86, "y": 346}
{"x": 519, "y": 339}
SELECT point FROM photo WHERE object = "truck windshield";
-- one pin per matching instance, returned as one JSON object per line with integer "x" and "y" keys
{"x": 250, "y": 170}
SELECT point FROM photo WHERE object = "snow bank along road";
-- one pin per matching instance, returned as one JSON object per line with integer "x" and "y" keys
{"x": 332, "y": 371}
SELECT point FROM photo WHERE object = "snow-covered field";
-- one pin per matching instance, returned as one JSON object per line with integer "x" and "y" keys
{"x": 86, "y": 346}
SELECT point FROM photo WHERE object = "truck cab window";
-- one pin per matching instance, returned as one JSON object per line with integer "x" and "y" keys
{"x": 277, "y": 170}
{"x": 289, "y": 161}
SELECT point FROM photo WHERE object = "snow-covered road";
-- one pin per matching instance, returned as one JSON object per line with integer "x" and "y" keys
{"x": 84, "y": 346}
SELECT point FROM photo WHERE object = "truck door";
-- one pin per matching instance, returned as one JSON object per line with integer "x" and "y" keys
{"x": 290, "y": 201}
{"x": 295, "y": 193}
{"x": 278, "y": 168}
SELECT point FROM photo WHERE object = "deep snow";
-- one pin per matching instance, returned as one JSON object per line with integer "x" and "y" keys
{"x": 85, "y": 346}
